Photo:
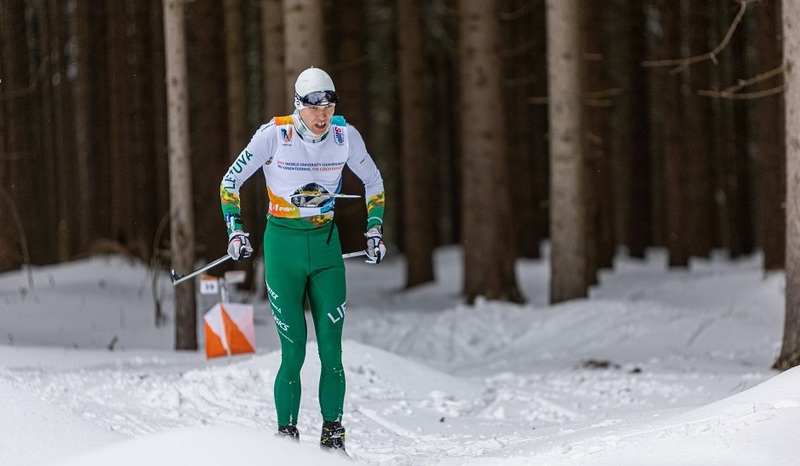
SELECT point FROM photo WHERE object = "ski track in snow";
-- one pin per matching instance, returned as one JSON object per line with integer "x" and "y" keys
{"x": 433, "y": 383}
{"x": 388, "y": 421}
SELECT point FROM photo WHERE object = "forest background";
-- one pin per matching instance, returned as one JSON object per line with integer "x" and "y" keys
{"x": 678, "y": 140}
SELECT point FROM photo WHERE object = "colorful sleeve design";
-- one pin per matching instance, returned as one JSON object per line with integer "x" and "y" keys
{"x": 253, "y": 157}
{"x": 231, "y": 209}
{"x": 361, "y": 163}
{"x": 375, "y": 210}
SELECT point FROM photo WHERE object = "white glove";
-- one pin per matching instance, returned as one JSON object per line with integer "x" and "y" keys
{"x": 239, "y": 245}
{"x": 376, "y": 251}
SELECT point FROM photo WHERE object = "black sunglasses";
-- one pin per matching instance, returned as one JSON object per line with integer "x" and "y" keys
{"x": 319, "y": 98}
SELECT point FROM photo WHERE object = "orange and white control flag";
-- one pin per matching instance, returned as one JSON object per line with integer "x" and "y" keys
{"x": 229, "y": 330}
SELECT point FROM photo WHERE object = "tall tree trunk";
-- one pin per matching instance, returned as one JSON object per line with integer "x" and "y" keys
{"x": 539, "y": 130}
{"x": 209, "y": 117}
{"x": 487, "y": 239}
{"x": 599, "y": 231}
{"x": 674, "y": 151}
{"x": 121, "y": 169}
{"x": 733, "y": 154}
{"x": 790, "y": 349}
{"x": 381, "y": 31}
{"x": 180, "y": 168}
{"x": 567, "y": 209}
{"x": 100, "y": 138}
{"x": 630, "y": 138}
{"x": 236, "y": 78}
{"x": 47, "y": 151}
{"x": 160, "y": 137}
{"x": 699, "y": 228}
{"x": 141, "y": 129}
{"x": 443, "y": 139}
{"x": 64, "y": 137}
{"x": 347, "y": 58}
{"x": 255, "y": 37}
{"x": 275, "y": 97}
{"x": 238, "y": 134}
{"x": 83, "y": 122}
{"x": 525, "y": 78}
{"x": 770, "y": 140}
{"x": 304, "y": 41}
{"x": 347, "y": 61}
{"x": 6, "y": 228}
{"x": 657, "y": 106}
{"x": 419, "y": 179}
{"x": 16, "y": 105}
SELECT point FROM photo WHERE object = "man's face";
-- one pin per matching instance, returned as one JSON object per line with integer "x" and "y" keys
{"x": 317, "y": 118}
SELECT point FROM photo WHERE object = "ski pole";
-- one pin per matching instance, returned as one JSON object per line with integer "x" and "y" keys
{"x": 180, "y": 278}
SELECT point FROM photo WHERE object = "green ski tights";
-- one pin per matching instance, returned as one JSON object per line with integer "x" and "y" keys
{"x": 306, "y": 261}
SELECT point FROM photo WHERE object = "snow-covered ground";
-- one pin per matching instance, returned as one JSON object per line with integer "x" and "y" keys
{"x": 656, "y": 367}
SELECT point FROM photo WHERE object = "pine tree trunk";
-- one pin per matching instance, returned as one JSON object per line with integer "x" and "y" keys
{"x": 382, "y": 132}
{"x": 656, "y": 80}
{"x": 141, "y": 129}
{"x": 345, "y": 39}
{"x": 525, "y": 79}
{"x": 443, "y": 140}
{"x": 97, "y": 40}
{"x": 567, "y": 209}
{"x": 347, "y": 57}
{"x": 18, "y": 137}
{"x": 418, "y": 169}
{"x": 630, "y": 135}
{"x": 487, "y": 236}
{"x": 46, "y": 232}
{"x": 209, "y": 117}
{"x": 83, "y": 126}
{"x": 540, "y": 143}
{"x": 731, "y": 127}
{"x": 238, "y": 134}
{"x": 699, "y": 228}
{"x": 790, "y": 349}
{"x": 599, "y": 233}
{"x": 121, "y": 168}
{"x": 160, "y": 169}
{"x": 6, "y": 228}
{"x": 64, "y": 130}
{"x": 770, "y": 141}
{"x": 276, "y": 101}
{"x": 236, "y": 77}
{"x": 304, "y": 41}
{"x": 674, "y": 152}
{"x": 180, "y": 168}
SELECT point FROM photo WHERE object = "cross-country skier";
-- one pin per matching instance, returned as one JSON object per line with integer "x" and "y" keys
{"x": 302, "y": 156}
